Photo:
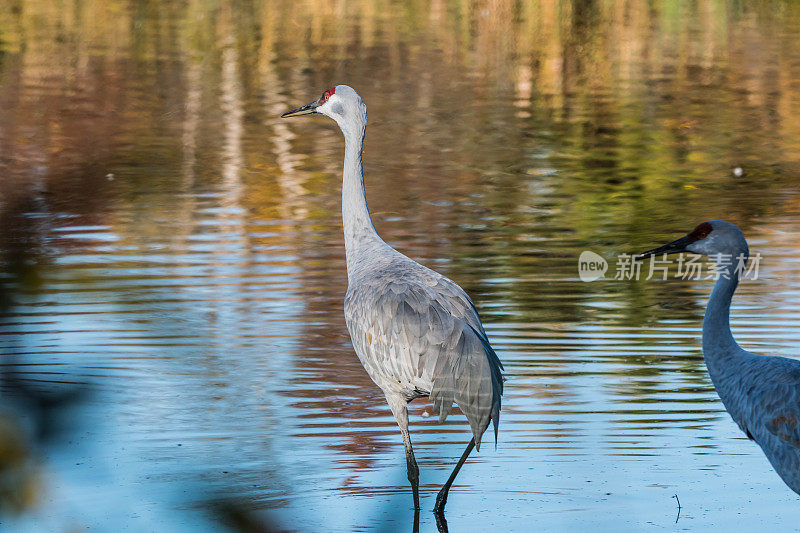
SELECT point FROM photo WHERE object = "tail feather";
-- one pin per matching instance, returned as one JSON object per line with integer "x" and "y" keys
{"x": 473, "y": 380}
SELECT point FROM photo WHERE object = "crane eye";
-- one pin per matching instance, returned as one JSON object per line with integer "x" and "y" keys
{"x": 327, "y": 94}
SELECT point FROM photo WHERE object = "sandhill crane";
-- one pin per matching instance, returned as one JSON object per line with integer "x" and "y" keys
{"x": 416, "y": 332}
{"x": 761, "y": 393}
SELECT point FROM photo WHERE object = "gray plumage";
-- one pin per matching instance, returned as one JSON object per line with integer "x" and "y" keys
{"x": 416, "y": 332}
{"x": 761, "y": 393}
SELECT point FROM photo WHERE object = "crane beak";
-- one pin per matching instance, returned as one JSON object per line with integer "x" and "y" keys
{"x": 674, "y": 247}
{"x": 304, "y": 110}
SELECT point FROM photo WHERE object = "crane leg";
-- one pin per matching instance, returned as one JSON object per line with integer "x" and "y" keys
{"x": 441, "y": 498}
{"x": 411, "y": 466}
{"x": 399, "y": 407}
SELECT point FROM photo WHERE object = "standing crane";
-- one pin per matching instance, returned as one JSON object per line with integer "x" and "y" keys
{"x": 416, "y": 332}
{"x": 761, "y": 393}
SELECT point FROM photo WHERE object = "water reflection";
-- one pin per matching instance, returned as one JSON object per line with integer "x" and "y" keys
{"x": 201, "y": 287}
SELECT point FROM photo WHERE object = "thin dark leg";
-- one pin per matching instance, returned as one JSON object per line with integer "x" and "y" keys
{"x": 441, "y": 523}
{"x": 441, "y": 498}
{"x": 411, "y": 466}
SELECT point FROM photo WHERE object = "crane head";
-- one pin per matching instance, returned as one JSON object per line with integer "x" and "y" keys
{"x": 712, "y": 238}
{"x": 341, "y": 103}
{"x": 313, "y": 106}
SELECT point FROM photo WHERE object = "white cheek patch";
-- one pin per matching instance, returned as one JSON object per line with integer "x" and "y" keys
{"x": 712, "y": 245}
{"x": 703, "y": 246}
{"x": 331, "y": 108}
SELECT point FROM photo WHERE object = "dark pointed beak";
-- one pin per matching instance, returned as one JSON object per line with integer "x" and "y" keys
{"x": 674, "y": 247}
{"x": 305, "y": 110}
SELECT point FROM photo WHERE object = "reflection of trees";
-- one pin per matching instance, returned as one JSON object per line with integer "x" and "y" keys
{"x": 627, "y": 101}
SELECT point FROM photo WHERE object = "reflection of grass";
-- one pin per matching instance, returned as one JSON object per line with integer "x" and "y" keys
{"x": 25, "y": 411}
{"x": 19, "y": 476}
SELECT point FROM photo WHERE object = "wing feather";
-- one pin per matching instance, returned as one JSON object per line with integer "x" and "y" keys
{"x": 416, "y": 330}
{"x": 762, "y": 395}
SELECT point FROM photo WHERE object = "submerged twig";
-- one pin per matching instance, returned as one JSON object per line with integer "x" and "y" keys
{"x": 679, "y": 508}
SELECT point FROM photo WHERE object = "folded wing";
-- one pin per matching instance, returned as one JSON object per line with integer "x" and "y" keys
{"x": 420, "y": 332}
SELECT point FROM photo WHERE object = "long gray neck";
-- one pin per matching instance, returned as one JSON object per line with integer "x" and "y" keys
{"x": 358, "y": 228}
{"x": 718, "y": 342}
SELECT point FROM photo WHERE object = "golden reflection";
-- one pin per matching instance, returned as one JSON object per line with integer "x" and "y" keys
{"x": 562, "y": 59}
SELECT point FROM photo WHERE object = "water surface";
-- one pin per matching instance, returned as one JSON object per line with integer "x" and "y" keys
{"x": 191, "y": 262}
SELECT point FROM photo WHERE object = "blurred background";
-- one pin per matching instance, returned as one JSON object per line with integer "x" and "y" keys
{"x": 174, "y": 354}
